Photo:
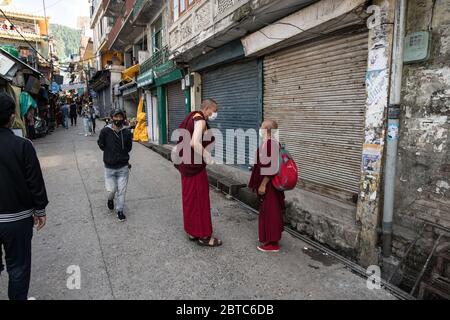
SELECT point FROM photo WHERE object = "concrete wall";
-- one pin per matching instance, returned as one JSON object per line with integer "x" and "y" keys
{"x": 423, "y": 178}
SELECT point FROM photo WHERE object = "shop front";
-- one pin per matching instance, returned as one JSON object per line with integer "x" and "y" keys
{"x": 317, "y": 93}
{"x": 236, "y": 85}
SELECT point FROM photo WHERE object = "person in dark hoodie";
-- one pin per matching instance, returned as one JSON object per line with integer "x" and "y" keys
{"x": 116, "y": 143}
{"x": 23, "y": 200}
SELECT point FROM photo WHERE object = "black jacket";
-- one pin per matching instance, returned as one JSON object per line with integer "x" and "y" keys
{"x": 116, "y": 147}
{"x": 22, "y": 187}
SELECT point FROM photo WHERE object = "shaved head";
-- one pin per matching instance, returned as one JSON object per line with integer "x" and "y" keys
{"x": 209, "y": 104}
{"x": 269, "y": 125}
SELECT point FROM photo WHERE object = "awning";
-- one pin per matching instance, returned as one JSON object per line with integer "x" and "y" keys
{"x": 100, "y": 80}
{"x": 128, "y": 89}
{"x": 306, "y": 24}
{"x": 127, "y": 86}
{"x": 130, "y": 73}
{"x": 9, "y": 65}
{"x": 145, "y": 79}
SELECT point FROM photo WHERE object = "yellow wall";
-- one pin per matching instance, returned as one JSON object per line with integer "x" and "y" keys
{"x": 43, "y": 25}
{"x": 118, "y": 58}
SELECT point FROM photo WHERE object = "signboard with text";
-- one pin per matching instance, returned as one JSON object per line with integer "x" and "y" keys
{"x": 73, "y": 86}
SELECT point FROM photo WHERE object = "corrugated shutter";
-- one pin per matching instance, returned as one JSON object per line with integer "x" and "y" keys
{"x": 107, "y": 100}
{"x": 237, "y": 89}
{"x": 175, "y": 106}
{"x": 317, "y": 94}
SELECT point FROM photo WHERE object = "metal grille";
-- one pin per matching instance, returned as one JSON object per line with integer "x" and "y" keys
{"x": 237, "y": 89}
{"x": 176, "y": 106}
{"x": 317, "y": 94}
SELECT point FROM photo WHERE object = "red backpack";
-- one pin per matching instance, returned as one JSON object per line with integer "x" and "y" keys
{"x": 287, "y": 177}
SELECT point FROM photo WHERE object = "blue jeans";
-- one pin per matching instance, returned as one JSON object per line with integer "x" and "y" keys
{"x": 87, "y": 126}
{"x": 66, "y": 121}
{"x": 116, "y": 182}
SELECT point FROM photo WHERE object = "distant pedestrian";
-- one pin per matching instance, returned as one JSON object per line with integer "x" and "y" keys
{"x": 116, "y": 143}
{"x": 73, "y": 114}
{"x": 23, "y": 200}
{"x": 65, "y": 109}
{"x": 30, "y": 122}
{"x": 86, "y": 114}
{"x": 93, "y": 114}
{"x": 79, "y": 107}
{"x": 272, "y": 201}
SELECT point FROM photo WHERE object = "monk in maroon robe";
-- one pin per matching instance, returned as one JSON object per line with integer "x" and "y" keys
{"x": 272, "y": 201}
{"x": 194, "y": 178}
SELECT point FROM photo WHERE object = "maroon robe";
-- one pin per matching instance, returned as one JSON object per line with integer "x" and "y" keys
{"x": 195, "y": 188}
{"x": 272, "y": 203}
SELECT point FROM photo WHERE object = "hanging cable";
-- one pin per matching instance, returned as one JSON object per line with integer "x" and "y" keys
{"x": 25, "y": 39}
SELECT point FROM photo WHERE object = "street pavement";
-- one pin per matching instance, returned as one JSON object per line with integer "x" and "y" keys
{"x": 149, "y": 256}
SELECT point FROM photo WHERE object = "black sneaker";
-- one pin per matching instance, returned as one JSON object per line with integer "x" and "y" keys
{"x": 121, "y": 216}
{"x": 111, "y": 205}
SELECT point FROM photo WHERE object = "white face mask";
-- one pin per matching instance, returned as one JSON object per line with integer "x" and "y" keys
{"x": 261, "y": 133}
{"x": 213, "y": 116}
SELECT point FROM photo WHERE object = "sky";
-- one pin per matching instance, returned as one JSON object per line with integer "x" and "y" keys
{"x": 63, "y": 12}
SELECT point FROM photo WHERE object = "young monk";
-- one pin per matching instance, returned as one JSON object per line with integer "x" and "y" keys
{"x": 194, "y": 178}
{"x": 272, "y": 200}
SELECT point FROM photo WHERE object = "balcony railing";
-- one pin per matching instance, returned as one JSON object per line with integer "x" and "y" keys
{"x": 120, "y": 21}
{"x": 138, "y": 7}
{"x": 157, "y": 59}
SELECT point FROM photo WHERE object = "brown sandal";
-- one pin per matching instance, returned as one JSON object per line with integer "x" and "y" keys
{"x": 209, "y": 242}
{"x": 191, "y": 238}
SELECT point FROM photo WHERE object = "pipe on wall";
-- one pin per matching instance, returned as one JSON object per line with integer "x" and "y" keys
{"x": 393, "y": 125}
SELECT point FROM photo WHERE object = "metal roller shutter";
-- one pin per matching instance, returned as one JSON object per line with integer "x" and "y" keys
{"x": 175, "y": 106}
{"x": 317, "y": 94}
{"x": 237, "y": 88}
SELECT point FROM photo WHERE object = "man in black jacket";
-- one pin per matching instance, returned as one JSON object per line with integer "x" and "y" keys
{"x": 116, "y": 143}
{"x": 23, "y": 199}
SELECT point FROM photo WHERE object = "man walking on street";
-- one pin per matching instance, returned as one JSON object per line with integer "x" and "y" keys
{"x": 65, "y": 109}
{"x": 73, "y": 114}
{"x": 23, "y": 199}
{"x": 116, "y": 143}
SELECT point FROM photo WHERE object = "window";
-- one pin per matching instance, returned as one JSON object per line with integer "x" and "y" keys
{"x": 157, "y": 35}
{"x": 176, "y": 12}
{"x": 181, "y": 6}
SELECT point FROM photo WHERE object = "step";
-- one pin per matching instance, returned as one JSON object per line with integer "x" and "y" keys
{"x": 247, "y": 196}
{"x": 230, "y": 186}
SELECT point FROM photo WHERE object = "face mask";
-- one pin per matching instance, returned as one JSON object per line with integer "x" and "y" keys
{"x": 213, "y": 116}
{"x": 118, "y": 123}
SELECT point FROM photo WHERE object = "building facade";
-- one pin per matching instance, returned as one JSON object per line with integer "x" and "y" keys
{"x": 327, "y": 72}
{"x": 27, "y": 32}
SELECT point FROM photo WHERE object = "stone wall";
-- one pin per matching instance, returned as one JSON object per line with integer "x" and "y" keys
{"x": 423, "y": 168}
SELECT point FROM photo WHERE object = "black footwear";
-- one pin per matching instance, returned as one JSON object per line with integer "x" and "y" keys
{"x": 110, "y": 205}
{"x": 121, "y": 216}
